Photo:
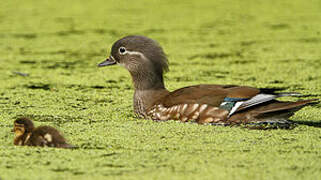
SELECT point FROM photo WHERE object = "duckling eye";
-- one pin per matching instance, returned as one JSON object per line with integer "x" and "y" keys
{"x": 122, "y": 50}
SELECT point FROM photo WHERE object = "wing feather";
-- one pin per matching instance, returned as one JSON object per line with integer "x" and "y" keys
{"x": 212, "y": 95}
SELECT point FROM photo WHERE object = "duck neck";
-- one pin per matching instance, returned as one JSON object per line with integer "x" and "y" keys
{"x": 147, "y": 81}
{"x": 149, "y": 87}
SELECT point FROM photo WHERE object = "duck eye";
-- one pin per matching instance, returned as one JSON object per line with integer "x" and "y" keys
{"x": 122, "y": 50}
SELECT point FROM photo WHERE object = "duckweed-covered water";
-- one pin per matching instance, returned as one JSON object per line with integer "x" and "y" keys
{"x": 48, "y": 56}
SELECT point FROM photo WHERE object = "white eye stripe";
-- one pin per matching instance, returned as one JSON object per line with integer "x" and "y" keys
{"x": 135, "y": 53}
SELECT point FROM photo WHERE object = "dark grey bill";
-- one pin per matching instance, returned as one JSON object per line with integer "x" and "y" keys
{"x": 109, "y": 61}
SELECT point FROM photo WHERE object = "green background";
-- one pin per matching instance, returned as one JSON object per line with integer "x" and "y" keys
{"x": 59, "y": 44}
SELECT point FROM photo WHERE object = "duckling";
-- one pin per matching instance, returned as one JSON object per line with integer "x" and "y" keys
{"x": 146, "y": 62}
{"x": 45, "y": 136}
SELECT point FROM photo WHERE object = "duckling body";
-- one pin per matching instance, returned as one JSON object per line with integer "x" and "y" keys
{"x": 44, "y": 136}
{"x": 206, "y": 103}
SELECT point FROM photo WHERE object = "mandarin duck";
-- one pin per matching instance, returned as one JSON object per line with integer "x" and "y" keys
{"x": 146, "y": 62}
{"x": 45, "y": 136}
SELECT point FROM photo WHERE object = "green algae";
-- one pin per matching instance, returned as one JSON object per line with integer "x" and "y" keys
{"x": 48, "y": 56}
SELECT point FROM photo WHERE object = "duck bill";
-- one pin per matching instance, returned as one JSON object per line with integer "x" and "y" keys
{"x": 108, "y": 62}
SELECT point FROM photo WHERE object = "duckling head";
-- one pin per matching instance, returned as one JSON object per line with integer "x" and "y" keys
{"x": 23, "y": 125}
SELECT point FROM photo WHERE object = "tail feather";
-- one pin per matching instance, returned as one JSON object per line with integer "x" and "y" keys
{"x": 281, "y": 106}
{"x": 262, "y": 98}
{"x": 270, "y": 115}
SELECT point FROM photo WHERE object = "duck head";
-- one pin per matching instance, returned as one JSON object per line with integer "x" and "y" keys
{"x": 142, "y": 57}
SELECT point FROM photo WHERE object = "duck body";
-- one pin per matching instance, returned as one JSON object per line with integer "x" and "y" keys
{"x": 223, "y": 104}
{"x": 44, "y": 136}
{"x": 47, "y": 136}
{"x": 205, "y": 103}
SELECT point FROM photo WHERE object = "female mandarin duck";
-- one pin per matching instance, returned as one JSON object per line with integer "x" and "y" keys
{"x": 206, "y": 103}
{"x": 44, "y": 136}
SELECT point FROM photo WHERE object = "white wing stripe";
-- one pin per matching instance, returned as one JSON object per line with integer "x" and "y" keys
{"x": 235, "y": 107}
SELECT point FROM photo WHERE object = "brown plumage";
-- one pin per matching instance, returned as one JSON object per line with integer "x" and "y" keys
{"x": 45, "y": 136}
{"x": 218, "y": 104}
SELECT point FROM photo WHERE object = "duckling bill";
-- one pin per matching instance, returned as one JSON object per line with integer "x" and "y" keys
{"x": 146, "y": 62}
{"x": 26, "y": 134}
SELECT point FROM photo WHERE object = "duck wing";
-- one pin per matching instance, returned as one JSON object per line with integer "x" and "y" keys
{"x": 212, "y": 95}
{"x": 232, "y": 98}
